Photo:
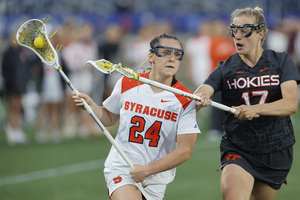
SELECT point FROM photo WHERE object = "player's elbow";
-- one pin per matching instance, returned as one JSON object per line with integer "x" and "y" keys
{"x": 289, "y": 107}
{"x": 293, "y": 108}
{"x": 186, "y": 153}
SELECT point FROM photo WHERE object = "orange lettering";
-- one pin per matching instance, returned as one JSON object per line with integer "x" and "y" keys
{"x": 117, "y": 179}
{"x": 126, "y": 106}
{"x": 138, "y": 108}
{"x": 153, "y": 112}
{"x": 132, "y": 106}
{"x": 146, "y": 110}
{"x": 168, "y": 115}
{"x": 160, "y": 113}
{"x": 174, "y": 117}
{"x": 232, "y": 157}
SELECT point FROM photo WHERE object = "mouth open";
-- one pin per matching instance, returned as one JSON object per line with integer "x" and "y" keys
{"x": 239, "y": 46}
{"x": 170, "y": 67}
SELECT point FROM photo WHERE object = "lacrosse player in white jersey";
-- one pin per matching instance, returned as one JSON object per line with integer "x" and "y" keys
{"x": 157, "y": 128}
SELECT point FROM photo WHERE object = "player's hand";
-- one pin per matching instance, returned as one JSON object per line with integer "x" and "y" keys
{"x": 78, "y": 100}
{"x": 244, "y": 112}
{"x": 138, "y": 173}
{"x": 205, "y": 100}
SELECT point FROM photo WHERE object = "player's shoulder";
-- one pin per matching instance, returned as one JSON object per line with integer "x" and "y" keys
{"x": 180, "y": 86}
{"x": 276, "y": 58}
{"x": 231, "y": 60}
{"x": 183, "y": 100}
{"x": 271, "y": 54}
{"x": 127, "y": 83}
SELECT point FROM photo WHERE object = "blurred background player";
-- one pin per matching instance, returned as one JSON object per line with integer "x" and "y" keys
{"x": 16, "y": 74}
{"x": 52, "y": 99}
{"x": 81, "y": 47}
{"x": 203, "y": 51}
{"x": 157, "y": 129}
{"x": 109, "y": 49}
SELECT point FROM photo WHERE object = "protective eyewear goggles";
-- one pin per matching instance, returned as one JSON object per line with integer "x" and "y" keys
{"x": 162, "y": 51}
{"x": 246, "y": 30}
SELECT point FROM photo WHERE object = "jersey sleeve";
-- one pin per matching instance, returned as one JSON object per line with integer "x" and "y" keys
{"x": 112, "y": 103}
{"x": 289, "y": 70}
{"x": 187, "y": 122}
{"x": 215, "y": 78}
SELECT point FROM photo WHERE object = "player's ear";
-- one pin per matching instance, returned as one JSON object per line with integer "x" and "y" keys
{"x": 261, "y": 34}
{"x": 151, "y": 58}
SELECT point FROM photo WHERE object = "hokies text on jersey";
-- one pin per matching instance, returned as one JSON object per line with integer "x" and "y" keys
{"x": 147, "y": 110}
{"x": 257, "y": 81}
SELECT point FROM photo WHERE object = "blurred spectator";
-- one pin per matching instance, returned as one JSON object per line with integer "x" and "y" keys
{"x": 52, "y": 95}
{"x": 110, "y": 50}
{"x": 291, "y": 29}
{"x": 136, "y": 46}
{"x": 81, "y": 48}
{"x": 137, "y": 49}
{"x": 277, "y": 39}
{"x": 297, "y": 44}
{"x": 203, "y": 52}
{"x": 162, "y": 27}
{"x": 221, "y": 45}
{"x": 16, "y": 74}
{"x": 2, "y": 109}
{"x": 197, "y": 54}
{"x": 197, "y": 58}
{"x": 221, "y": 48}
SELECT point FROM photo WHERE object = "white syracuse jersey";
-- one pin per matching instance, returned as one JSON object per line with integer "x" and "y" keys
{"x": 149, "y": 125}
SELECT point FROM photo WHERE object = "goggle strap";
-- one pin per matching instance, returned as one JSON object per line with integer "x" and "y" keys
{"x": 259, "y": 26}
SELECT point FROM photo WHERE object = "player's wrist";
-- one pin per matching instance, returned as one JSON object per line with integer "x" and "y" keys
{"x": 256, "y": 109}
{"x": 149, "y": 170}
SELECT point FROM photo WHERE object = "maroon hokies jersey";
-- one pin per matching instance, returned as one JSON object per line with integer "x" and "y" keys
{"x": 241, "y": 84}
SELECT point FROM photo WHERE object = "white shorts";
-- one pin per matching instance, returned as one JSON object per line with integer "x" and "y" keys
{"x": 114, "y": 180}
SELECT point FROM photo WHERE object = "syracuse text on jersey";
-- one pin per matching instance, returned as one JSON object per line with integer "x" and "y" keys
{"x": 257, "y": 81}
{"x": 154, "y": 112}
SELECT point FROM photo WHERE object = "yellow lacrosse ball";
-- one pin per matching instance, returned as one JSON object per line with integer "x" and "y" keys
{"x": 39, "y": 42}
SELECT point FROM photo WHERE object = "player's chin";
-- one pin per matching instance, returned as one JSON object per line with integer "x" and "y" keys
{"x": 241, "y": 51}
{"x": 171, "y": 70}
{"x": 170, "y": 74}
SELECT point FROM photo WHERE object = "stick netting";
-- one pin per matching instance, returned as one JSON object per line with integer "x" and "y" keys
{"x": 105, "y": 65}
{"x": 110, "y": 67}
{"x": 27, "y": 34}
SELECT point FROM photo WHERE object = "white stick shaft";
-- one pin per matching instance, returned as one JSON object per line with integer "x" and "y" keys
{"x": 105, "y": 131}
{"x": 186, "y": 94}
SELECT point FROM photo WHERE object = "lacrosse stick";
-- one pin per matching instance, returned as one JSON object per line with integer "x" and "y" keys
{"x": 26, "y": 35}
{"x": 107, "y": 67}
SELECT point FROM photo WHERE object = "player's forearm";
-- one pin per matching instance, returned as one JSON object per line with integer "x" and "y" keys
{"x": 176, "y": 157}
{"x": 283, "y": 107}
{"x": 170, "y": 161}
{"x": 288, "y": 105}
{"x": 204, "y": 88}
{"x": 204, "y": 92}
{"x": 107, "y": 118}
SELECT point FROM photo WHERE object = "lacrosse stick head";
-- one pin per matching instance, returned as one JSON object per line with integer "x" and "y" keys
{"x": 26, "y": 35}
{"x": 107, "y": 67}
{"x": 102, "y": 65}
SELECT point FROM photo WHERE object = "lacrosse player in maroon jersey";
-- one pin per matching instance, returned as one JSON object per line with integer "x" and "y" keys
{"x": 261, "y": 84}
{"x": 157, "y": 128}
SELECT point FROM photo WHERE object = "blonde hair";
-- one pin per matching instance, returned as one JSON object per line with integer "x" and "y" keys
{"x": 257, "y": 13}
